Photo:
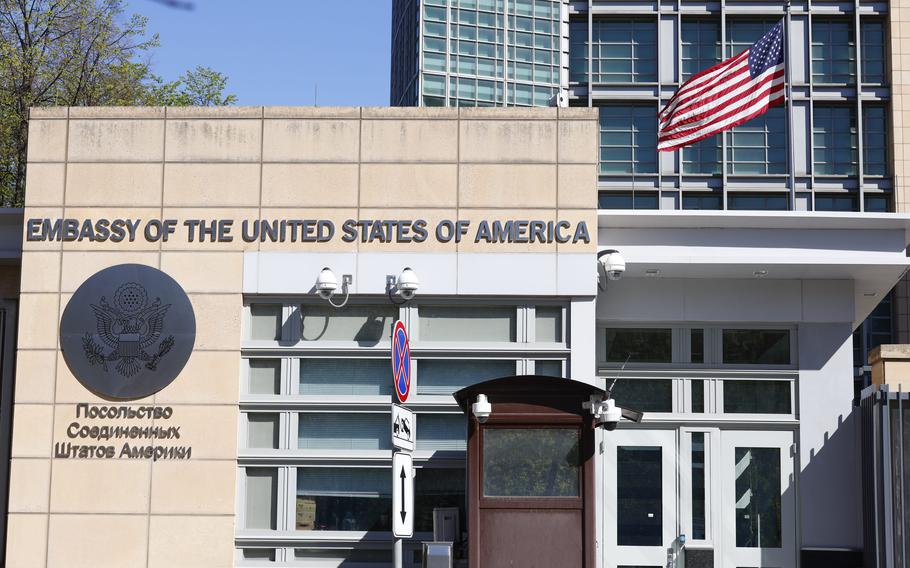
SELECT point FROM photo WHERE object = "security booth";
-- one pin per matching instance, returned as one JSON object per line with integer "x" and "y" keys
{"x": 530, "y": 472}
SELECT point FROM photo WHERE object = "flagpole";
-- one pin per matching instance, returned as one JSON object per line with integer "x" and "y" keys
{"x": 788, "y": 78}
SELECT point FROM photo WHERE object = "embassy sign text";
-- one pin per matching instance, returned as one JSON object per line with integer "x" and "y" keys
{"x": 307, "y": 230}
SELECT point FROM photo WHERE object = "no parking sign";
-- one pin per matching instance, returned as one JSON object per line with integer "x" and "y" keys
{"x": 401, "y": 362}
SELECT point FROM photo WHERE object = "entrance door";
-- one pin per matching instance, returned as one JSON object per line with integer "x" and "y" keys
{"x": 640, "y": 501}
{"x": 758, "y": 500}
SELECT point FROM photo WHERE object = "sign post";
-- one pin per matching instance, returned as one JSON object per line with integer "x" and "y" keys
{"x": 404, "y": 434}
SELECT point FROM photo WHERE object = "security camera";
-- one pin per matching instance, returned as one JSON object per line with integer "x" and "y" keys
{"x": 613, "y": 264}
{"x": 326, "y": 283}
{"x": 407, "y": 284}
{"x": 482, "y": 409}
{"x": 609, "y": 416}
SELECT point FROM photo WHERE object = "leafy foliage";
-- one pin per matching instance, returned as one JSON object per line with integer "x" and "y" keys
{"x": 79, "y": 53}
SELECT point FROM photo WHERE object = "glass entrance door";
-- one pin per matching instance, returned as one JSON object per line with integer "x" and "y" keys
{"x": 640, "y": 501}
{"x": 758, "y": 500}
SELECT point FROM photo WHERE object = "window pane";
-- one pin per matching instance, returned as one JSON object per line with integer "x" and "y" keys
{"x": 697, "y": 346}
{"x": 623, "y": 51}
{"x": 442, "y": 432}
{"x": 757, "y": 397}
{"x": 356, "y": 431}
{"x": 875, "y": 147}
{"x": 639, "y": 345}
{"x": 628, "y": 139}
{"x": 265, "y": 376}
{"x": 700, "y": 45}
{"x": 698, "y": 396}
{"x": 833, "y": 51}
{"x": 477, "y": 323}
{"x": 548, "y": 368}
{"x": 261, "y": 498}
{"x": 345, "y": 556}
{"x": 757, "y": 497}
{"x": 259, "y": 554}
{"x": 645, "y": 395}
{"x": 334, "y": 499}
{"x": 698, "y": 486}
{"x": 262, "y": 430}
{"x": 639, "y": 496}
{"x": 546, "y": 457}
{"x": 873, "y": 48}
{"x": 445, "y": 376}
{"x": 834, "y": 138}
{"x": 435, "y": 487}
{"x": 758, "y": 147}
{"x": 756, "y": 346}
{"x": 367, "y": 325}
{"x": 361, "y": 377}
{"x": 265, "y": 322}
{"x": 548, "y": 324}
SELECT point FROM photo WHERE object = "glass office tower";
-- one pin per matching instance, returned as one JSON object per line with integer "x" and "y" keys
{"x": 628, "y": 58}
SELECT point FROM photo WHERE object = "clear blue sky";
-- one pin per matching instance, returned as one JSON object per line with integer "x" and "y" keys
{"x": 274, "y": 51}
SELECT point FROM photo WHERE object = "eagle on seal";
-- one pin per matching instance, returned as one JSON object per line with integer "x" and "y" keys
{"x": 129, "y": 327}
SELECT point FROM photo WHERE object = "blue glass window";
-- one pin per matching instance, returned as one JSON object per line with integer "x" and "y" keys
{"x": 872, "y": 35}
{"x": 758, "y": 201}
{"x": 701, "y": 201}
{"x": 627, "y": 200}
{"x": 834, "y": 140}
{"x": 623, "y": 51}
{"x": 842, "y": 202}
{"x": 700, "y": 46}
{"x": 875, "y": 147}
{"x": 833, "y": 51}
{"x": 759, "y": 146}
{"x": 628, "y": 139}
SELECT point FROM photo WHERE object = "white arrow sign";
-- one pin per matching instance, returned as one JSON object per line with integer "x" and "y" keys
{"x": 404, "y": 429}
{"x": 402, "y": 495}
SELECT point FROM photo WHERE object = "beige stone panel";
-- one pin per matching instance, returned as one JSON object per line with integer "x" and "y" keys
{"x": 191, "y": 542}
{"x": 411, "y": 185}
{"x": 38, "y": 214}
{"x": 433, "y": 218}
{"x": 507, "y": 185}
{"x": 44, "y": 184}
{"x": 477, "y": 216}
{"x": 65, "y": 417}
{"x": 47, "y": 141}
{"x": 222, "y": 112}
{"x": 392, "y": 112}
{"x": 125, "y": 112}
{"x": 217, "y": 320}
{"x": 69, "y": 392}
{"x": 209, "y": 377}
{"x": 311, "y": 140}
{"x": 205, "y": 272}
{"x": 180, "y": 240}
{"x": 40, "y": 272}
{"x": 35, "y": 113}
{"x": 79, "y": 266}
{"x": 519, "y": 141}
{"x": 26, "y": 541}
{"x": 199, "y": 185}
{"x": 577, "y": 186}
{"x": 410, "y": 141}
{"x": 29, "y": 481}
{"x": 116, "y": 140}
{"x": 217, "y": 140}
{"x": 97, "y": 541}
{"x": 336, "y": 216}
{"x": 35, "y": 372}
{"x": 32, "y": 426}
{"x": 112, "y": 185}
{"x": 210, "y": 429}
{"x": 203, "y": 487}
{"x": 38, "y": 318}
{"x": 309, "y": 185}
{"x": 101, "y": 486}
{"x": 577, "y": 216}
{"x": 311, "y": 112}
{"x": 577, "y": 113}
{"x": 132, "y": 214}
{"x": 508, "y": 113}
{"x": 578, "y": 141}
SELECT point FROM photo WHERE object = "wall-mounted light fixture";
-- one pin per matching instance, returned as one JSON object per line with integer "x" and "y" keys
{"x": 327, "y": 286}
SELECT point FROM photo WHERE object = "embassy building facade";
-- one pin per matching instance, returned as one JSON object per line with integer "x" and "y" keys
{"x": 199, "y": 404}
{"x": 628, "y": 58}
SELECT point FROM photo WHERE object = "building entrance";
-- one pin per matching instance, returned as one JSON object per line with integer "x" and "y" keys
{"x": 730, "y": 492}
{"x": 530, "y": 473}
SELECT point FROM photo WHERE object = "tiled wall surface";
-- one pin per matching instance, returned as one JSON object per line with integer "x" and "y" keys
{"x": 238, "y": 163}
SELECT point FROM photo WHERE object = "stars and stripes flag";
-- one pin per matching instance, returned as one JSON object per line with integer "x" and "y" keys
{"x": 730, "y": 93}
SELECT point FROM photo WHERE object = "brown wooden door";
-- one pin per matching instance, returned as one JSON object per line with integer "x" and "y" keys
{"x": 533, "y": 478}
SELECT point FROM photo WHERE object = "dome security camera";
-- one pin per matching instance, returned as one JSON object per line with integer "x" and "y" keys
{"x": 326, "y": 283}
{"x": 609, "y": 416}
{"x": 407, "y": 283}
{"x": 613, "y": 264}
{"x": 482, "y": 409}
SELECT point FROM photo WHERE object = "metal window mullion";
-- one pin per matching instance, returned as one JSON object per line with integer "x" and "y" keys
{"x": 860, "y": 127}
{"x": 811, "y": 134}
{"x": 448, "y": 53}
{"x": 723, "y": 137}
{"x": 657, "y": 31}
{"x": 589, "y": 54}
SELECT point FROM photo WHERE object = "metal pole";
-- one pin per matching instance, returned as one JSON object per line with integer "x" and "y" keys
{"x": 396, "y": 553}
{"x": 788, "y": 78}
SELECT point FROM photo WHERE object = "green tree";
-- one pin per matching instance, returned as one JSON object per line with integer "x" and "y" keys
{"x": 79, "y": 53}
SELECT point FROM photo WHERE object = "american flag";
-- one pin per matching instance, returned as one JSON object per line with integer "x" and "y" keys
{"x": 726, "y": 95}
